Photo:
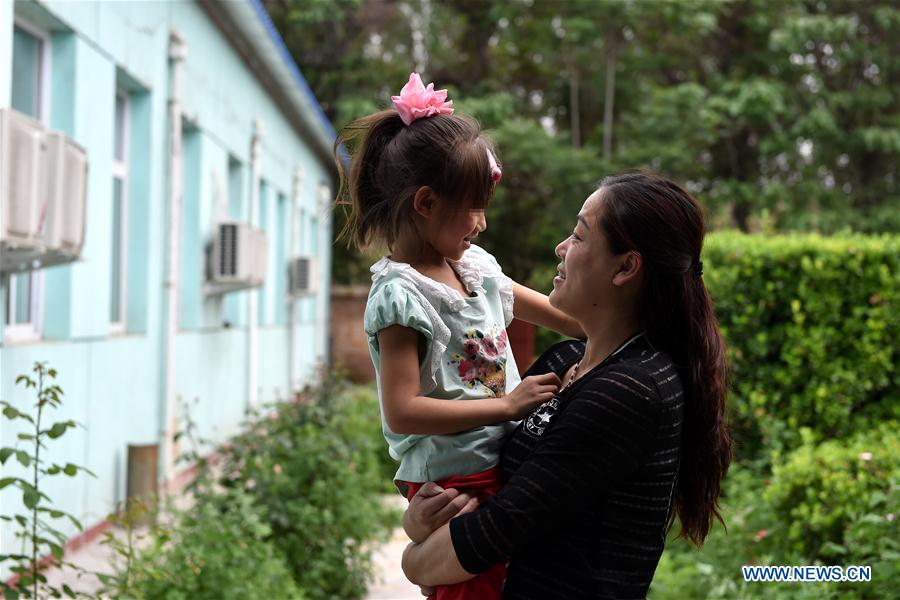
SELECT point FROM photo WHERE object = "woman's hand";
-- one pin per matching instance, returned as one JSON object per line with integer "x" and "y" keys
{"x": 433, "y": 506}
{"x": 531, "y": 393}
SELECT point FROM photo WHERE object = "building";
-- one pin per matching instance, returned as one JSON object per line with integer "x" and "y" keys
{"x": 204, "y": 146}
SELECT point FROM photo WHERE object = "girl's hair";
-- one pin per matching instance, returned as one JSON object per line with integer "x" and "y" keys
{"x": 390, "y": 161}
{"x": 660, "y": 220}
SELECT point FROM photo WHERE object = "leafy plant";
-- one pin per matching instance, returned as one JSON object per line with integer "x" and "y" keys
{"x": 288, "y": 508}
{"x": 42, "y": 542}
{"x": 219, "y": 548}
{"x": 312, "y": 467}
{"x": 133, "y": 513}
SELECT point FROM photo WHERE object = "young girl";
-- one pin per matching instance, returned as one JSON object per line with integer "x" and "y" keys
{"x": 436, "y": 317}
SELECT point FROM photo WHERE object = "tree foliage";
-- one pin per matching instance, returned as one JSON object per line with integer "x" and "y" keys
{"x": 778, "y": 114}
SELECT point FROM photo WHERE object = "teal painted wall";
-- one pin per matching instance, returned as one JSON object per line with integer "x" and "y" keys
{"x": 114, "y": 384}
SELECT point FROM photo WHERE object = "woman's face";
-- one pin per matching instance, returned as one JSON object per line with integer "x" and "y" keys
{"x": 587, "y": 267}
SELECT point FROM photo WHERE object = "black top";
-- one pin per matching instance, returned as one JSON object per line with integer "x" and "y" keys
{"x": 588, "y": 482}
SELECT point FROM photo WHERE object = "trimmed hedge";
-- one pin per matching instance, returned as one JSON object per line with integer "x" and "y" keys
{"x": 812, "y": 325}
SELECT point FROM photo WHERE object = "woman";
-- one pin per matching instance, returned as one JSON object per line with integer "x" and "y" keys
{"x": 594, "y": 478}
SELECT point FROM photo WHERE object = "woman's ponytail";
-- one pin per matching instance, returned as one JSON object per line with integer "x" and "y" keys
{"x": 661, "y": 221}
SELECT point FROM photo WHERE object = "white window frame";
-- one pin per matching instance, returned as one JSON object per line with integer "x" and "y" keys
{"x": 120, "y": 172}
{"x": 31, "y": 331}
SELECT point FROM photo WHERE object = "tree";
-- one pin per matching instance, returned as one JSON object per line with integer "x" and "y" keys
{"x": 777, "y": 114}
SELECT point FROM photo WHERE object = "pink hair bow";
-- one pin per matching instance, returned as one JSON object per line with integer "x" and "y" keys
{"x": 496, "y": 173}
{"x": 416, "y": 101}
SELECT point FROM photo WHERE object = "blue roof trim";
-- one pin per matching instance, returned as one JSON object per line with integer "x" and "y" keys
{"x": 289, "y": 61}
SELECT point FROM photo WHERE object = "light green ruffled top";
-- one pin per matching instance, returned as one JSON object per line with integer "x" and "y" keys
{"x": 467, "y": 356}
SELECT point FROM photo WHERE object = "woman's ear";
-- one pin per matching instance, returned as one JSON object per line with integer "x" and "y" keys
{"x": 424, "y": 201}
{"x": 629, "y": 269}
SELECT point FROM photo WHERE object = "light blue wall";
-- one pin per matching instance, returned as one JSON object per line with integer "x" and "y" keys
{"x": 114, "y": 384}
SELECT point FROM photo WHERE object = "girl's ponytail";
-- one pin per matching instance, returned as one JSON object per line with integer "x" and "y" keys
{"x": 366, "y": 140}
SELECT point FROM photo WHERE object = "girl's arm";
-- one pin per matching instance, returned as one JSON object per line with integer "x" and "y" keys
{"x": 534, "y": 307}
{"x": 406, "y": 412}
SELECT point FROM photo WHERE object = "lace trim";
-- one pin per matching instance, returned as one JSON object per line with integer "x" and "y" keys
{"x": 477, "y": 264}
{"x": 431, "y": 289}
{"x": 507, "y": 299}
{"x": 472, "y": 268}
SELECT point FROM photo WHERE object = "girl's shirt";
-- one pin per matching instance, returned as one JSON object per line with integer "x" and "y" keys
{"x": 467, "y": 356}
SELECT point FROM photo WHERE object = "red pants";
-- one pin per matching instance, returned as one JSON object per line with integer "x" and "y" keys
{"x": 484, "y": 586}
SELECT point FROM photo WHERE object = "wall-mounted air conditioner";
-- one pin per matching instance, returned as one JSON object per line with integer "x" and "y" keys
{"x": 43, "y": 178}
{"x": 238, "y": 257}
{"x": 66, "y": 184}
{"x": 303, "y": 276}
{"x": 21, "y": 145}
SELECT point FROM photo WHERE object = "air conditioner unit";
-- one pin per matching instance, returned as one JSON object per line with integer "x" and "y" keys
{"x": 66, "y": 189}
{"x": 21, "y": 155}
{"x": 43, "y": 182}
{"x": 303, "y": 276}
{"x": 238, "y": 257}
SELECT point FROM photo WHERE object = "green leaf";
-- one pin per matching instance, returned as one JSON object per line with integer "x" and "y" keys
{"x": 75, "y": 522}
{"x": 832, "y": 548}
{"x": 10, "y": 594}
{"x": 70, "y": 470}
{"x": 4, "y": 454}
{"x": 68, "y": 591}
{"x": 8, "y": 481}
{"x": 57, "y": 551}
{"x": 25, "y": 436}
{"x": 54, "y": 469}
{"x": 57, "y": 430}
{"x": 23, "y": 458}
{"x": 30, "y": 497}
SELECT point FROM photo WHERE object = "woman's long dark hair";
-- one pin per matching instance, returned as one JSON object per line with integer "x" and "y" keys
{"x": 662, "y": 222}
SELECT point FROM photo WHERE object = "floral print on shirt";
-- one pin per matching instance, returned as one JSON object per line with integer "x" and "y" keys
{"x": 483, "y": 360}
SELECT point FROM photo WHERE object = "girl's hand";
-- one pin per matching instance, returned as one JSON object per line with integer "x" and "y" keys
{"x": 531, "y": 393}
{"x": 432, "y": 507}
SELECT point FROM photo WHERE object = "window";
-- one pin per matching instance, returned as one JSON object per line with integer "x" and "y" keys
{"x": 30, "y": 96}
{"x": 118, "y": 262}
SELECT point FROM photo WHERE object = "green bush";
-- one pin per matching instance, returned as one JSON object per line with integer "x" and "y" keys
{"x": 825, "y": 504}
{"x": 313, "y": 468}
{"x": 821, "y": 489}
{"x": 812, "y": 325}
{"x": 290, "y": 508}
{"x": 218, "y": 549}
{"x": 363, "y": 401}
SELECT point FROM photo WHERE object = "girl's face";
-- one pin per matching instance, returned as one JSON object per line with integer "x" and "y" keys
{"x": 451, "y": 231}
{"x": 585, "y": 274}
